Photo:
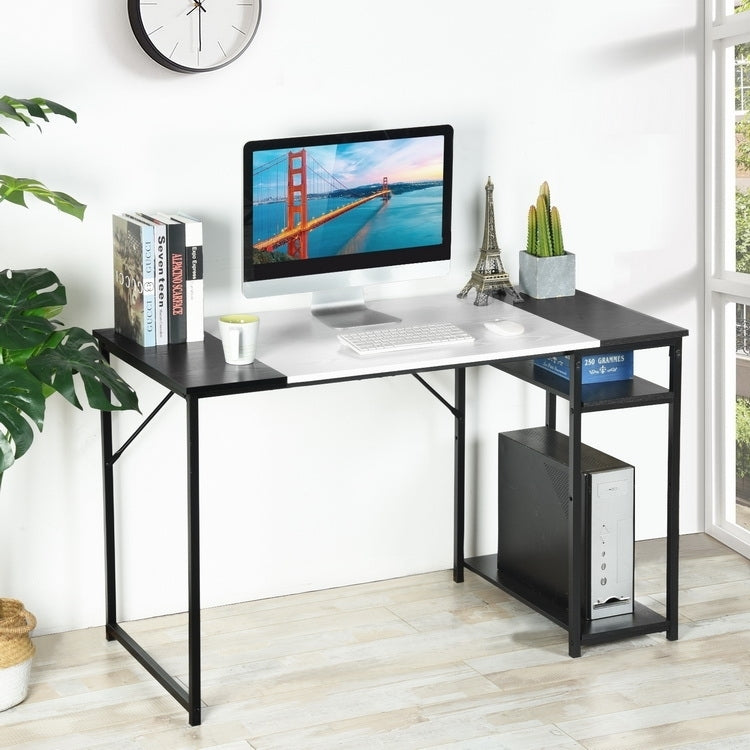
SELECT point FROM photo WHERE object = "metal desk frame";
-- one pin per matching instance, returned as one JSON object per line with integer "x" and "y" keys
{"x": 195, "y": 371}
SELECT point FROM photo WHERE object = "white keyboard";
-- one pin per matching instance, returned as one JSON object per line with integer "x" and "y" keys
{"x": 400, "y": 338}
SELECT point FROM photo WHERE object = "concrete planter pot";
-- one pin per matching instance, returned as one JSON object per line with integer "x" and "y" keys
{"x": 543, "y": 278}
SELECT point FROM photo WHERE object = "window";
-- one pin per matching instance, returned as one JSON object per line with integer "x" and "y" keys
{"x": 728, "y": 274}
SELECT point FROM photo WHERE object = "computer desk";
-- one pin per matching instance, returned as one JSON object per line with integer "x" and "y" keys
{"x": 295, "y": 349}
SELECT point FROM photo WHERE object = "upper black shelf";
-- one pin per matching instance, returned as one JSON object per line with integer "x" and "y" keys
{"x": 618, "y": 394}
{"x": 618, "y": 328}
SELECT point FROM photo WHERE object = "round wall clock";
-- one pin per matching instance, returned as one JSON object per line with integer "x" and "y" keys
{"x": 190, "y": 36}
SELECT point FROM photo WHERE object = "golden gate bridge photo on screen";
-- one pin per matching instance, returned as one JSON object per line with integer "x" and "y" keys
{"x": 348, "y": 198}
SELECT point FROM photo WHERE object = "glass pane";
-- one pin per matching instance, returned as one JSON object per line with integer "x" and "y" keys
{"x": 742, "y": 419}
{"x": 740, "y": 6}
{"x": 741, "y": 79}
{"x": 742, "y": 156}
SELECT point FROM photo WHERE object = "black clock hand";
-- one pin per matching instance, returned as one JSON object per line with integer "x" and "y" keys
{"x": 199, "y": 5}
{"x": 200, "y": 30}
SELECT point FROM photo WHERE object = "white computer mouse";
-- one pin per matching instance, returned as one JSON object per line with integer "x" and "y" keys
{"x": 505, "y": 327}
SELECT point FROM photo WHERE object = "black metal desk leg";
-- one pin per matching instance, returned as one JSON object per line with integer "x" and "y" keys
{"x": 673, "y": 490}
{"x": 576, "y": 510}
{"x": 109, "y": 524}
{"x": 459, "y": 474}
{"x": 108, "y": 460}
{"x": 194, "y": 583}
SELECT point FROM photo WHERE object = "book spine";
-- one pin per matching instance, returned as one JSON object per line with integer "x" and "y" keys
{"x": 160, "y": 278}
{"x": 176, "y": 286}
{"x": 149, "y": 285}
{"x": 160, "y": 296}
{"x": 193, "y": 276}
{"x": 127, "y": 243}
{"x": 194, "y": 290}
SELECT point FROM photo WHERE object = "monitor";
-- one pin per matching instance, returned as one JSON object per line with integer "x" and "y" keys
{"x": 331, "y": 214}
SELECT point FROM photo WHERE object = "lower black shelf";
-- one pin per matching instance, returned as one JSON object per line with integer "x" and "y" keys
{"x": 642, "y": 621}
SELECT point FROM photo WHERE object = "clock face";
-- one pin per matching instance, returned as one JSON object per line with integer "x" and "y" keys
{"x": 194, "y": 35}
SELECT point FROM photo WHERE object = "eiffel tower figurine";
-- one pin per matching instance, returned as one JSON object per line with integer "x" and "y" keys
{"x": 489, "y": 277}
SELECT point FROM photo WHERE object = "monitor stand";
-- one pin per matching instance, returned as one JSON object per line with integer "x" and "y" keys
{"x": 345, "y": 308}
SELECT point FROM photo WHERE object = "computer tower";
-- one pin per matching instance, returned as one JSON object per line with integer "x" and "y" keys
{"x": 533, "y": 512}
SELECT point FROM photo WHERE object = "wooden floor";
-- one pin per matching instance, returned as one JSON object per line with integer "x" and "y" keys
{"x": 417, "y": 662}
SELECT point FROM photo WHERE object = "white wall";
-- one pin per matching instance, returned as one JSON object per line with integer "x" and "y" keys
{"x": 600, "y": 99}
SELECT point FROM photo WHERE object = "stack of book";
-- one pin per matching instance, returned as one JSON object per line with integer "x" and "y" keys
{"x": 158, "y": 277}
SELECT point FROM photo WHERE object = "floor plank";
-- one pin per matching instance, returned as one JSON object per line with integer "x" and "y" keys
{"x": 416, "y": 662}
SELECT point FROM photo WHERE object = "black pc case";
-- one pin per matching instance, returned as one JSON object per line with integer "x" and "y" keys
{"x": 533, "y": 510}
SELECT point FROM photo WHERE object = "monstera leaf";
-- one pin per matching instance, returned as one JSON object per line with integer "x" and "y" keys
{"x": 75, "y": 352}
{"x": 15, "y": 189}
{"x": 26, "y": 110}
{"x": 20, "y": 394}
{"x": 39, "y": 358}
{"x": 28, "y": 299}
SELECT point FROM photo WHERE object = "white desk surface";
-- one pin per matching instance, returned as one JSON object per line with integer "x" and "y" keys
{"x": 297, "y": 344}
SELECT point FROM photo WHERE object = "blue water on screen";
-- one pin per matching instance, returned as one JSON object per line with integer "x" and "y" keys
{"x": 410, "y": 219}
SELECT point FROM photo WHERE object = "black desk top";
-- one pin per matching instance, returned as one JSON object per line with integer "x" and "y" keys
{"x": 198, "y": 368}
{"x": 613, "y": 324}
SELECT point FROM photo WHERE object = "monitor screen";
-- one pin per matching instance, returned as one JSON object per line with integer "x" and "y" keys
{"x": 340, "y": 211}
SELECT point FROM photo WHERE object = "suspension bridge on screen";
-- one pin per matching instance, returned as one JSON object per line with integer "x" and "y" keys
{"x": 303, "y": 177}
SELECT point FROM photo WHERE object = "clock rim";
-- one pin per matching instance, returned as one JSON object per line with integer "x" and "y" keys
{"x": 142, "y": 37}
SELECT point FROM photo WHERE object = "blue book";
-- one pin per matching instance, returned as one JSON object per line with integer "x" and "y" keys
{"x": 595, "y": 368}
{"x": 160, "y": 278}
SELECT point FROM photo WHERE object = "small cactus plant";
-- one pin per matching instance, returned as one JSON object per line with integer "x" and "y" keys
{"x": 544, "y": 236}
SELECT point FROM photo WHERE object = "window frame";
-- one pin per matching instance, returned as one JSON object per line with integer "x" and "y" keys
{"x": 725, "y": 288}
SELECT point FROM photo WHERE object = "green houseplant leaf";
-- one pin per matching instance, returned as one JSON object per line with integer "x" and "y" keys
{"x": 14, "y": 189}
{"x": 27, "y": 111}
{"x": 20, "y": 397}
{"x": 73, "y": 352}
{"x": 27, "y": 300}
{"x": 39, "y": 358}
